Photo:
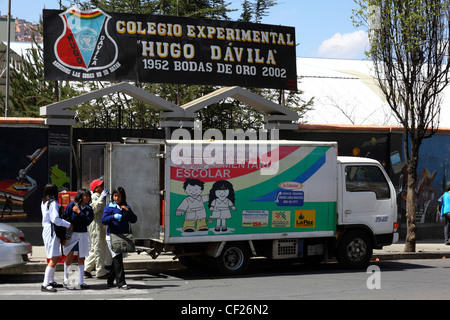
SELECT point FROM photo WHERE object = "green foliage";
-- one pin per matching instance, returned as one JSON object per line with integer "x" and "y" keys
{"x": 255, "y": 12}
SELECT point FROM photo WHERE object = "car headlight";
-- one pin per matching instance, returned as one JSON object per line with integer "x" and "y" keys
{"x": 9, "y": 237}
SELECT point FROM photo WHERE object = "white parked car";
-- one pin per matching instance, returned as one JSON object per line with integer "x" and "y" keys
{"x": 14, "y": 249}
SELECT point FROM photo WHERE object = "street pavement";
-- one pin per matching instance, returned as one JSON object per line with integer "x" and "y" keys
{"x": 165, "y": 261}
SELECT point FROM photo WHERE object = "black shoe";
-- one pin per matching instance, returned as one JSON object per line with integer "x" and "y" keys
{"x": 48, "y": 288}
{"x": 84, "y": 286}
{"x": 56, "y": 285}
{"x": 87, "y": 274}
{"x": 124, "y": 287}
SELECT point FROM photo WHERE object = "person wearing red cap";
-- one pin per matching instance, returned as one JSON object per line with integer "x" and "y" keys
{"x": 97, "y": 231}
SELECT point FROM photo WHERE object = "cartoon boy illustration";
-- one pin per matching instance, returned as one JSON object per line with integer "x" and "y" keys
{"x": 193, "y": 206}
{"x": 221, "y": 199}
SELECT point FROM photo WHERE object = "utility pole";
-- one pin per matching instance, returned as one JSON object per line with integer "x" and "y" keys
{"x": 8, "y": 21}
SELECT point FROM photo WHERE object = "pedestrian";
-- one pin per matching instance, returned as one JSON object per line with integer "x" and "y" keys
{"x": 80, "y": 214}
{"x": 118, "y": 216}
{"x": 97, "y": 232}
{"x": 445, "y": 213}
{"x": 50, "y": 218}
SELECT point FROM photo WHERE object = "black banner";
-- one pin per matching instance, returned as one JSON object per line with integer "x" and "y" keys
{"x": 95, "y": 45}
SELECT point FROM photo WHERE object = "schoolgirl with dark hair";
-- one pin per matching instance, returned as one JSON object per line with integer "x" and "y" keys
{"x": 118, "y": 216}
{"x": 80, "y": 214}
{"x": 50, "y": 219}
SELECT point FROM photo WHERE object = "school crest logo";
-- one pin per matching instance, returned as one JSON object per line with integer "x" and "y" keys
{"x": 85, "y": 43}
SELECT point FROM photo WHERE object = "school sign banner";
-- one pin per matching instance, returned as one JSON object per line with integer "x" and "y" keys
{"x": 95, "y": 45}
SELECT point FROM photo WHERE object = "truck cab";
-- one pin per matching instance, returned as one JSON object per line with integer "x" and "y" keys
{"x": 366, "y": 207}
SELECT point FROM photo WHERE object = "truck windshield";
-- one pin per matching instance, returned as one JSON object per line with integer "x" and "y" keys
{"x": 366, "y": 178}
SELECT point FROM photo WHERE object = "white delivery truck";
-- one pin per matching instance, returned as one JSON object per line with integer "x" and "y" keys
{"x": 227, "y": 201}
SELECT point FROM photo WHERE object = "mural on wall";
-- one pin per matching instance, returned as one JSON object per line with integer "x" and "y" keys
{"x": 59, "y": 138}
{"x": 27, "y": 165}
{"x": 13, "y": 192}
{"x": 433, "y": 171}
{"x": 431, "y": 178}
{"x": 23, "y": 174}
{"x": 432, "y": 175}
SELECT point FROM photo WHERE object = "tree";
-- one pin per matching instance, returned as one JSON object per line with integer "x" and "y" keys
{"x": 255, "y": 12}
{"x": 28, "y": 89}
{"x": 409, "y": 46}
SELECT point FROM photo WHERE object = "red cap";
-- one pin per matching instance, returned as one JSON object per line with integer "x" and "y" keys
{"x": 95, "y": 184}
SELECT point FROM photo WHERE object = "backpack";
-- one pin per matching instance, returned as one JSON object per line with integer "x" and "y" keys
{"x": 61, "y": 232}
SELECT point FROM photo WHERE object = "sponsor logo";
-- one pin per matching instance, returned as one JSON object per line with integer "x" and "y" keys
{"x": 305, "y": 218}
{"x": 291, "y": 185}
{"x": 281, "y": 219}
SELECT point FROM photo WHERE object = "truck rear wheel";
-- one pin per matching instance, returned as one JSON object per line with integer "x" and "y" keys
{"x": 234, "y": 259}
{"x": 355, "y": 249}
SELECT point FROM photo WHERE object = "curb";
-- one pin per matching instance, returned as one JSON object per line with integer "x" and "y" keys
{"x": 411, "y": 255}
{"x": 39, "y": 266}
{"x": 170, "y": 264}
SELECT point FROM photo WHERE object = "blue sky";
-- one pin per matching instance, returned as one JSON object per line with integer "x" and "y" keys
{"x": 324, "y": 28}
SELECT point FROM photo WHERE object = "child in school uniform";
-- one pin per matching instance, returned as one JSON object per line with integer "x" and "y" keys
{"x": 118, "y": 216}
{"x": 50, "y": 219}
{"x": 80, "y": 214}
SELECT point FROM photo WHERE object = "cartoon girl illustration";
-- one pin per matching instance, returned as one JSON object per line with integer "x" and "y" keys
{"x": 221, "y": 198}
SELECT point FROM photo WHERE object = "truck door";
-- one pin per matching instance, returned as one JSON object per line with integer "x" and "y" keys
{"x": 136, "y": 168}
{"x": 367, "y": 197}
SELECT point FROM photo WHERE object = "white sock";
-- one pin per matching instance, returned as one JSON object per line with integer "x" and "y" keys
{"x": 66, "y": 272}
{"x": 48, "y": 276}
{"x": 81, "y": 271}
{"x": 52, "y": 275}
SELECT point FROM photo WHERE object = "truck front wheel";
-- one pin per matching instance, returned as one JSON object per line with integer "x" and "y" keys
{"x": 233, "y": 260}
{"x": 355, "y": 249}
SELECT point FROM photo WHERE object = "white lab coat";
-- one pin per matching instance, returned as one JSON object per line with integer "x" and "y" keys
{"x": 51, "y": 241}
{"x": 97, "y": 231}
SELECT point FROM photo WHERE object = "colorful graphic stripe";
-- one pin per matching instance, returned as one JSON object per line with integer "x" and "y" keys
{"x": 302, "y": 171}
{"x": 85, "y": 15}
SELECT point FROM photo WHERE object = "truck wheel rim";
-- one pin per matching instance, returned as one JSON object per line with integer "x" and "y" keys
{"x": 233, "y": 258}
{"x": 356, "y": 250}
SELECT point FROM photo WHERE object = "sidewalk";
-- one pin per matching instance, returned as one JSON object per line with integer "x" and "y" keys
{"x": 424, "y": 250}
{"x": 38, "y": 262}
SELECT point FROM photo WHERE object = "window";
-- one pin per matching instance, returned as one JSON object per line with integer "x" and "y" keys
{"x": 366, "y": 178}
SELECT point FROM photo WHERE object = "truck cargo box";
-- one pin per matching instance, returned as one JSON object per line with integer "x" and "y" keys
{"x": 249, "y": 190}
